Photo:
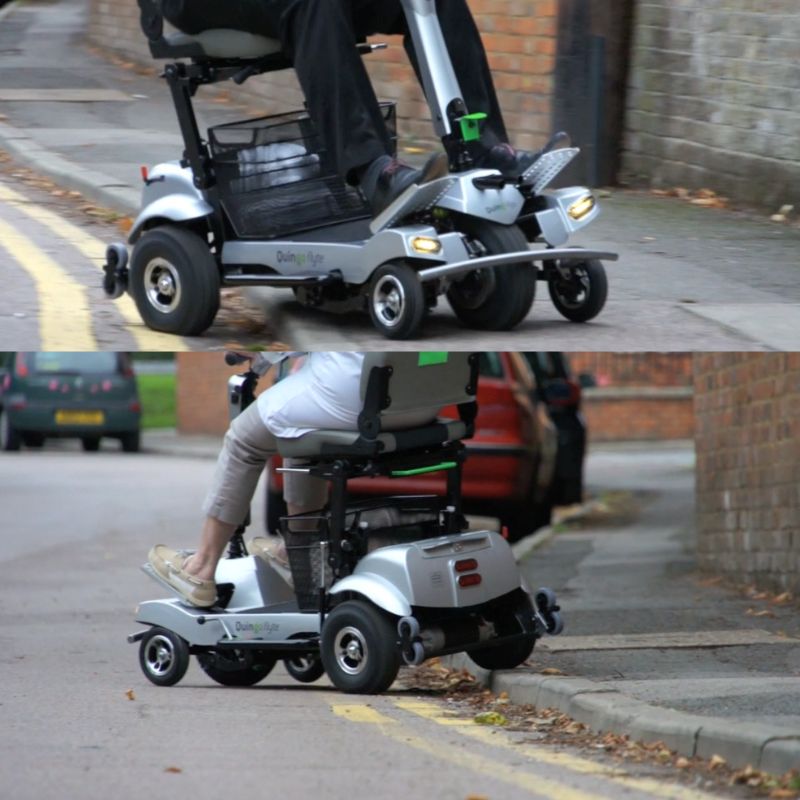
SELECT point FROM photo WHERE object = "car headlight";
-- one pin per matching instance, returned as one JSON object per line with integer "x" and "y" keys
{"x": 426, "y": 244}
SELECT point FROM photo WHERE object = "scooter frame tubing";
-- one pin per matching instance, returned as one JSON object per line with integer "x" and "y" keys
{"x": 439, "y": 81}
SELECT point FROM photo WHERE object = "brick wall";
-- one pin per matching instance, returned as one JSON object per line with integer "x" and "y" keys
{"x": 714, "y": 98}
{"x": 748, "y": 467}
{"x": 638, "y": 397}
{"x": 519, "y": 36}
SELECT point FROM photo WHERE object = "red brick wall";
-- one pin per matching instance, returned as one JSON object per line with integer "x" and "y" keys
{"x": 519, "y": 36}
{"x": 639, "y": 396}
{"x": 748, "y": 466}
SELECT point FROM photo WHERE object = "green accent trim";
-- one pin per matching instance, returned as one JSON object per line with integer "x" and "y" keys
{"x": 471, "y": 126}
{"x": 403, "y": 473}
{"x": 431, "y": 357}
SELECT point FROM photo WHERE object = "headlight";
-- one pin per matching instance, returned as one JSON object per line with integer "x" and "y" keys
{"x": 426, "y": 244}
{"x": 580, "y": 208}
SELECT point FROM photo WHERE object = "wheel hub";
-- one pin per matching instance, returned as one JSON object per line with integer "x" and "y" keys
{"x": 162, "y": 285}
{"x": 159, "y": 655}
{"x": 350, "y": 650}
{"x": 572, "y": 286}
{"x": 388, "y": 301}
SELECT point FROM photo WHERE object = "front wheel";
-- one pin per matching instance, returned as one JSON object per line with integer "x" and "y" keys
{"x": 175, "y": 281}
{"x": 236, "y": 667}
{"x": 163, "y": 656}
{"x": 578, "y": 289}
{"x": 494, "y": 298}
{"x": 359, "y": 648}
{"x": 396, "y": 301}
{"x": 305, "y": 668}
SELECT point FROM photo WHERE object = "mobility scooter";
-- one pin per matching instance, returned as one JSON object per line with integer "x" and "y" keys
{"x": 376, "y": 583}
{"x": 259, "y": 204}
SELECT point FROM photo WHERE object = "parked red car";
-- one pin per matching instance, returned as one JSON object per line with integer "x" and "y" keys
{"x": 510, "y": 469}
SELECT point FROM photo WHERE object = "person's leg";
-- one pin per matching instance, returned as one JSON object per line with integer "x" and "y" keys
{"x": 247, "y": 446}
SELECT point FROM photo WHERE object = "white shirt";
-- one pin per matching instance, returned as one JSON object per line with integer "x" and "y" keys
{"x": 323, "y": 393}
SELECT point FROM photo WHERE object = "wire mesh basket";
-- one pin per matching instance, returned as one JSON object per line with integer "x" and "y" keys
{"x": 275, "y": 176}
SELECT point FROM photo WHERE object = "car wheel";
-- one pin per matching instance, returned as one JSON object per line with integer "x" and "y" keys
{"x": 130, "y": 442}
{"x": 33, "y": 439}
{"x": 91, "y": 444}
{"x": 10, "y": 438}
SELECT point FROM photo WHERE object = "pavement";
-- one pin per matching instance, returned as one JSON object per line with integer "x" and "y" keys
{"x": 688, "y": 277}
{"x": 652, "y": 648}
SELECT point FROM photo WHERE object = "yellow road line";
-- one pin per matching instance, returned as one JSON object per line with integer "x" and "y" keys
{"x": 64, "y": 319}
{"x": 436, "y": 713}
{"x": 538, "y": 786}
{"x": 94, "y": 249}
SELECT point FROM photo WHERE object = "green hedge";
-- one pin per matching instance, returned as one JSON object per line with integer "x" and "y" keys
{"x": 157, "y": 395}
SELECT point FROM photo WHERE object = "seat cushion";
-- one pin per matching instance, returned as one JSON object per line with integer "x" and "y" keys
{"x": 228, "y": 43}
{"x": 332, "y": 443}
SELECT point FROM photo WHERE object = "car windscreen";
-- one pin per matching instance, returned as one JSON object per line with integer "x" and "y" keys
{"x": 83, "y": 363}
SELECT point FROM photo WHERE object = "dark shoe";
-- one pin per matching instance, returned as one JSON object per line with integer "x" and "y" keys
{"x": 386, "y": 178}
{"x": 509, "y": 162}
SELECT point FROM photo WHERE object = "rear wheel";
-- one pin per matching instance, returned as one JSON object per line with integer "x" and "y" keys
{"x": 130, "y": 442}
{"x": 91, "y": 444}
{"x": 359, "y": 648}
{"x": 511, "y": 654}
{"x": 175, "y": 281}
{"x": 236, "y": 667}
{"x": 33, "y": 439}
{"x": 579, "y": 289}
{"x": 494, "y": 298}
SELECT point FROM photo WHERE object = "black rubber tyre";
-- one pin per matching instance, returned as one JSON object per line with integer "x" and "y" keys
{"x": 581, "y": 298}
{"x": 35, "y": 440}
{"x": 305, "y": 668}
{"x": 359, "y": 648}
{"x": 10, "y": 437}
{"x": 131, "y": 442}
{"x": 494, "y": 299}
{"x": 163, "y": 656}
{"x": 91, "y": 444}
{"x": 236, "y": 667}
{"x": 396, "y": 301}
{"x": 512, "y": 654}
{"x": 175, "y": 281}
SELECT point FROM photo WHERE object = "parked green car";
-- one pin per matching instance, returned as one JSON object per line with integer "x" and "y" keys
{"x": 78, "y": 395}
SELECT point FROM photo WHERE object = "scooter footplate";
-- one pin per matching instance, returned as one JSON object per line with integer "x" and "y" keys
{"x": 415, "y": 199}
{"x": 147, "y": 568}
{"x": 546, "y": 167}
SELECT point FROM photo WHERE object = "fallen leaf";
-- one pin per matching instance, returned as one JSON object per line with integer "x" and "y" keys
{"x": 130, "y": 695}
{"x": 783, "y": 794}
{"x": 682, "y": 762}
{"x": 490, "y": 718}
{"x": 782, "y": 599}
{"x": 550, "y": 671}
{"x": 716, "y": 761}
{"x": 173, "y": 769}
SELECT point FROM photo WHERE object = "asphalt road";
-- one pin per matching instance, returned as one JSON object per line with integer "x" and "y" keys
{"x": 80, "y": 720}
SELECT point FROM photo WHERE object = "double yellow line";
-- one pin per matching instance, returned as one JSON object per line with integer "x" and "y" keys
{"x": 611, "y": 782}
{"x": 65, "y": 320}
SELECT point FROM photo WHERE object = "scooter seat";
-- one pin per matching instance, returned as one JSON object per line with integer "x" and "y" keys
{"x": 351, "y": 443}
{"x": 222, "y": 43}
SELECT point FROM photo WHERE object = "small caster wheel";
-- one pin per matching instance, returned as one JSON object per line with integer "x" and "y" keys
{"x": 163, "y": 656}
{"x": 555, "y": 623}
{"x": 305, "y": 668}
{"x": 579, "y": 289}
{"x": 115, "y": 278}
{"x": 545, "y": 600}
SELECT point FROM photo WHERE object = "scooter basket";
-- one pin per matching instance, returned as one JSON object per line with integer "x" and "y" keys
{"x": 275, "y": 176}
